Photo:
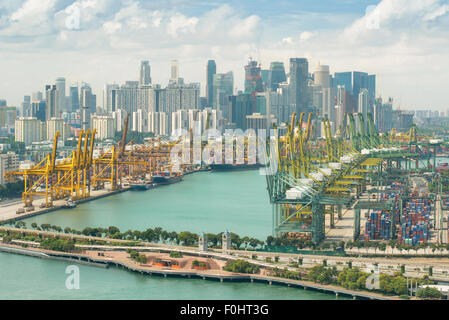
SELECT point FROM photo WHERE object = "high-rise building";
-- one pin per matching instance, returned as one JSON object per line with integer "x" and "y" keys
{"x": 60, "y": 95}
{"x": 56, "y": 124}
{"x": 321, "y": 76}
{"x": 109, "y": 97}
{"x": 210, "y": 71}
{"x": 51, "y": 101}
{"x": 364, "y": 102}
{"x": 105, "y": 126}
{"x": 174, "y": 78}
{"x": 88, "y": 104}
{"x": 157, "y": 123}
{"x": 145, "y": 73}
{"x": 36, "y": 96}
{"x": 383, "y": 115}
{"x": 74, "y": 98}
{"x": 299, "y": 73}
{"x": 343, "y": 79}
{"x": 25, "y": 109}
{"x": 253, "y": 78}
{"x": 2, "y": 103}
{"x": 223, "y": 86}
{"x": 8, "y": 162}
{"x": 140, "y": 121}
{"x": 38, "y": 110}
{"x": 27, "y": 130}
{"x": 276, "y": 75}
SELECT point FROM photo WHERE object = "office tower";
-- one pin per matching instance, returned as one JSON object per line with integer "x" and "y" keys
{"x": 299, "y": 72}
{"x": 223, "y": 87}
{"x": 109, "y": 97}
{"x": 50, "y": 99}
{"x": 2, "y": 103}
{"x": 321, "y": 76}
{"x": 364, "y": 102}
{"x": 361, "y": 80}
{"x": 145, "y": 73}
{"x": 277, "y": 75}
{"x": 74, "y": 98}
{"x": 244, "y": 107}
{"x": 88, "y": 103}
{"x": 104, "y": 125}
{"x": 38, "y": 110}
{"x": 174, "y": 72}
{"x": 210, "y": 71}
{"x": 60, "y": 95}
{"x": 36, "y": 96}
{"x": 27, "y": 130}
{"x": 253, "y": 78}
{"x": 371, "y": 86}
{"x": 383, "y": 115}
{"x": 343, "y": 79}
{"x": 265, "y": 75}
{"x": 25, "y": 109}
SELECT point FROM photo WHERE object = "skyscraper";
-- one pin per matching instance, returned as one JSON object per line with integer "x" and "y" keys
{"x": 50, "y": 98}
{"x": 88, "y": 103}
{"x": 343, "y": 79}
{"x": 364, "y": 102}
{"x": 276, "y": 75}
{"x": 210, "y": 71}
{"x": 60, "y": 95}
{"x": 223, "y": 87}
{"x": 321, "y": 76}
{"x": 109, "y": 93}
{"x": 253, "y": 78}
{"x": 74, "y": 98}
{"x": 299, "y": 73}
{"x": 145, "y": 73}
{"x": 174, "y": 71}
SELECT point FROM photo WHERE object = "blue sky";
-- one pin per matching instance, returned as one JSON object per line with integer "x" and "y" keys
{"x": 404, "y": 42}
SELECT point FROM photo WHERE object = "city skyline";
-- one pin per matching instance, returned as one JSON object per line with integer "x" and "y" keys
{"x": 110, "y": 39}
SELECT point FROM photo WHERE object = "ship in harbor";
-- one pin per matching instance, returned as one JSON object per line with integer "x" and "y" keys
{"x": 141, "y": 185}
{"x": 166, "y": 177}
{"x": 229, "y": 167}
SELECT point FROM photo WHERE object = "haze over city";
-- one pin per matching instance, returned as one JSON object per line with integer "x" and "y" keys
{"x": 405, "y": 43}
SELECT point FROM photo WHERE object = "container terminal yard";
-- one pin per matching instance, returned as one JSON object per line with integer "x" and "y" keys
{"x": 354, "y": 187}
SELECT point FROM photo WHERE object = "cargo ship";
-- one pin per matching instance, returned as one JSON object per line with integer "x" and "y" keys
{"x": 141, "y": 185}
{"x": 229, "y": 167}
{"x": 165, "y": 178}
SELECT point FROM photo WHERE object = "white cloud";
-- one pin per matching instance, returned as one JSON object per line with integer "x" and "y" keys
{"x": 179, "y": 23}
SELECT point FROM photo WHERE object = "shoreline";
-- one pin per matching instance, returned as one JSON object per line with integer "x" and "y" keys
{"x": 106, "y": 263}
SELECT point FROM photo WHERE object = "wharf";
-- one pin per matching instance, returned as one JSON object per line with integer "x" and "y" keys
{"x": 214, "y": 275}
{"x": 8, "y": 212}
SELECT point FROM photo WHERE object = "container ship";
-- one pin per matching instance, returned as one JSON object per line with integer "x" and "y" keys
{"x": 165, "y": 178}
{"x": 229, "y": 167}
{"x": 141, "y": 185}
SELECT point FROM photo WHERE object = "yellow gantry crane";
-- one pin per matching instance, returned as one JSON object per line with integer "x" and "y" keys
{"x": 53, "y": 180}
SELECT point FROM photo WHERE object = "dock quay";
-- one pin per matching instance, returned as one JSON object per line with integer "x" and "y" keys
{"x": 219, "y": 276}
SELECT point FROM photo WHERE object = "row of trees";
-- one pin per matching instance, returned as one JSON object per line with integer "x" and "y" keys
{"x": 157, "y": 234}
{"x": 355, "y": 279}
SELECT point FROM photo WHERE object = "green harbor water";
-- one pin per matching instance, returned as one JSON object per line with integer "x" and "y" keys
{"x": 203, "y": 202}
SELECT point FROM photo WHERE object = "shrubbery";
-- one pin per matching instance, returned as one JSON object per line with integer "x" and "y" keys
{"x": 241, "y": 266}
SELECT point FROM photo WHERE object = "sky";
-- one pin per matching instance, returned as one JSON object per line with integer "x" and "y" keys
{"x": 404, "y": 42}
